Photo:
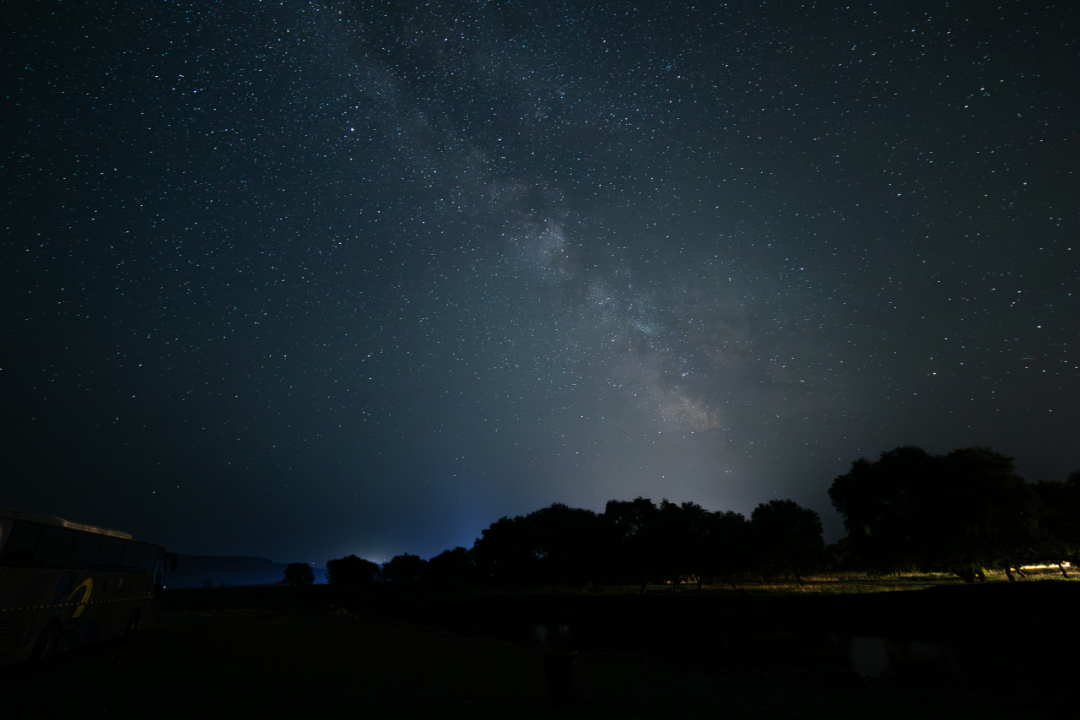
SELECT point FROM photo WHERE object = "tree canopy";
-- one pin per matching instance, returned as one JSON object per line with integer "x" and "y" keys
{"x": 788, "y": 536}
{"x": 403, "y": 570}
{"x": 351, "y": 571}
{"x": 958, "y": 512}
{"x": 1060, "y": 521}
{"x": 299, "y": 574}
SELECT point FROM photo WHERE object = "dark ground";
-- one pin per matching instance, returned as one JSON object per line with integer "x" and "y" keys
{"x": 273, "y": 652}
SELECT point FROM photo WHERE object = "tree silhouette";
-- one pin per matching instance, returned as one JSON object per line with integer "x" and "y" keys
{"x": 882, "y": 502}
{"x": 787, "y": 535}
{"x": 694, "y": 539}
{"x": 632, "y": 552}
{"x": 1060, "y": 520}
{"x": 568, "y": 542}
{"x": 959, "y": 512}
{"x": 351, "y": 572}
{"x": 404, "y": 571}
{"x": 452, "y": 569}
{"x": 678, "y": 539}
{"x": 506, "y": 552}
{"x": 299, "y": 574}
{"x": 725, "y": 545}
{"x": 988, "y": 517}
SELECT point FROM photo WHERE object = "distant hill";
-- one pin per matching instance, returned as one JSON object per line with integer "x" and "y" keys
{"x": 193, "y": 570}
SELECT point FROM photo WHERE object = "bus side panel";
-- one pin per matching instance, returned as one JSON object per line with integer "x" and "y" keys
{"x": 90, "y": 605}
{"x": 143, "y": 597}
{"x": 32, "y": 587}
{"x": 14, "y": 627}
{"x": 117, "y": 595}
{"x": 149, "y": 599}
{"x": 82, "y": 621}
{"x": 14, "y": 623}
{"x": 28, "y": 597}
{"x": 106, "y": 612}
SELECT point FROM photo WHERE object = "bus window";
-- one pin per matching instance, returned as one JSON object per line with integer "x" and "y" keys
{"x": 54, "y": 547}
{"x": 149, "y": 557}
{"x": 19, "y": 549}
{"x": 5, "y": 530}
{"x": 86, "y": 550}
{"x": 111, "y": 551}
{"x": 132, "y": 555}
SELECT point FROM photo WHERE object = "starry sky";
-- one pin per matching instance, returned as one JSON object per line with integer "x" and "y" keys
{"x": 304, "y": 279}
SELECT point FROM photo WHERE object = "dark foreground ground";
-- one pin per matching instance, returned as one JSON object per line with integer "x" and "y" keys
{"x": 273, "y": 653}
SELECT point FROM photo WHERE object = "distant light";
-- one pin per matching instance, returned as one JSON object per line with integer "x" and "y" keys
{"x": 1043, "y": 567}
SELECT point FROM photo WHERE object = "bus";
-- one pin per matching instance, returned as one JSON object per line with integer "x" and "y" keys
{"x": 65, "y": 584}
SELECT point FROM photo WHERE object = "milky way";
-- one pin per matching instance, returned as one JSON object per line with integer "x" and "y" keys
{"x": 304, "y": 279}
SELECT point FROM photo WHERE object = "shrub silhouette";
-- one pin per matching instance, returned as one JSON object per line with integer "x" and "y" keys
{"x": 631, "y": 530}
{"x": 299, "y": 574}
{"x": 403, "y": 570}
{"x": 957, "y": 513}
{"x": 1060, "y": 520}
{"x": 452, "y": 569}
{"x": 787, "y": 536}
{"x": 351, "y": 572}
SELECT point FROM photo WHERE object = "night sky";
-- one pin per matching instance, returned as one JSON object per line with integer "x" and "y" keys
{"x": 304, "y": 279}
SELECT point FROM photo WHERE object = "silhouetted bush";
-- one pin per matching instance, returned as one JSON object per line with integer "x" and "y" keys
{"x": 351, "y": 572}
{"x": 725, "y": 546}
{"x": 299, "y": 574}
{"x": 452, "y": 570}
{"x": 787, "y": 536}
{"x": 958, "y": 513}
{"x": 567, "y": 544}
{"x": 403, "y": 571}
{"x": 506, "y": 553}
{"x": 631, "y": 551}
{"x": 1060, "y": 520}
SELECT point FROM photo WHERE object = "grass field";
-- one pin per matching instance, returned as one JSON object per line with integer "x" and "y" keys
{"x": 271, "y": 652}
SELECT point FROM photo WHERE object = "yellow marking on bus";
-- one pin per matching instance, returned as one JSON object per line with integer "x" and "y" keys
{"x": 87, "y": 586}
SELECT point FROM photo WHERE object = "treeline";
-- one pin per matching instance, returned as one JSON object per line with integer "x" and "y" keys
{"x": 909, "y": 510}
{"x": 632, "y": 542}
{"x": 959, "y": 513}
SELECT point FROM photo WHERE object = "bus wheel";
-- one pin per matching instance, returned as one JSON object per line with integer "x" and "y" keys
{"x": 133, "y": 624}
{"x": 45, "y": 647}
